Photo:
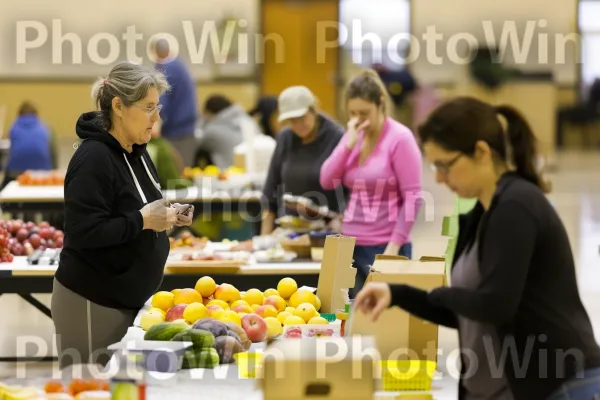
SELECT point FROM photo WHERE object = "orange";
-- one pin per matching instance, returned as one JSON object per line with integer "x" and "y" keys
{"x": 163, "y": 300}
{"x": 254, "y": 296}
{"x": 286, "y": 287}
{"x": 187, "y": 296}
{"x": 206, "y": 286}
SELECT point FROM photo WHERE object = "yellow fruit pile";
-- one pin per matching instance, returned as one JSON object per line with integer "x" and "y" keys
{"x": 286, "y": 305}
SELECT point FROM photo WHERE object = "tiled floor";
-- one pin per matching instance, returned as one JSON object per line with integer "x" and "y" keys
{"x": 576, "y": 196}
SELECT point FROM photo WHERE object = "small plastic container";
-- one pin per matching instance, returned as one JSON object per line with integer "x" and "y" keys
{"x": 157, "y": 356}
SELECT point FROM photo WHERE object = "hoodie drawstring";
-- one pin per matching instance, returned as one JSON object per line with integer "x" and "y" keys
{"x": 137, "y": 183}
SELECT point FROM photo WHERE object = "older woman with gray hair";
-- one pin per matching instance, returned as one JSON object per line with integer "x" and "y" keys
{"x": 115, "y": 244}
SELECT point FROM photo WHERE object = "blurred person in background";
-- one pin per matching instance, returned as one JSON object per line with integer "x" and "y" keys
{"x": 266, "y": 112}
{"x": 167, "y": 161}
{"x": 222, "y": 129}
{"x": 31, "y": 144}
{"x": 301, "y": 149}
{"x": 513, "y": 277}
{"x": 379, "y": 160}
{"x": 179, "y": 105}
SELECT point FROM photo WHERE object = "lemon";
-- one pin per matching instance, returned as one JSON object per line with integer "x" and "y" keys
{"x": 318, "y": 321}
{"x": 254, "y": 296}
{"x": 283, "y": 315}
{"x": 206, "y": 286}
{"x": 195, "y": 311}
{"x": 163, "y": 300}
{"x": 151, "y": 318}
{"x": 294, "y": 320}
{"x": 303, "y": 296}
{"x": 274, "y": 327}
{"x": 286, "y": 287}
{"x": 306, "y": 311}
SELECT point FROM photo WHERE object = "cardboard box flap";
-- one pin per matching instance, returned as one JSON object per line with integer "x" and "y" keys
{"x": 337, "y": 274}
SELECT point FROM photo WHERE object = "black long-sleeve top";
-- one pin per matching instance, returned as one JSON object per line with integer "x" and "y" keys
{"x": 528, "y": 290}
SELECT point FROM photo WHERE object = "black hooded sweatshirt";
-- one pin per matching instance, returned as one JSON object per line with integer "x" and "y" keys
{"x": 107, "y": 257}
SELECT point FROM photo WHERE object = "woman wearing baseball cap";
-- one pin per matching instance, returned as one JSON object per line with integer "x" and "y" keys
{"x": 301, "y": 149}
{"x": 380, "y": 161}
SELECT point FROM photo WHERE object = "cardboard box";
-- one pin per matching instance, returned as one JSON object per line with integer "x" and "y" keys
{"x": 326, "y": 368}
{"x": 398, "y": 334}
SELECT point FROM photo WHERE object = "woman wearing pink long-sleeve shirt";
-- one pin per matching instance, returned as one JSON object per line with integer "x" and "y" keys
{"x": 379, "y": 160}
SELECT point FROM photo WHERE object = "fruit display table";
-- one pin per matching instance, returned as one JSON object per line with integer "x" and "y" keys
{"x": 18, "y": 277}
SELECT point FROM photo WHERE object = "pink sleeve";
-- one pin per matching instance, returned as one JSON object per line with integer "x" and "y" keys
{"x": 407, "y": 165}
{"x": 332, "y": 170}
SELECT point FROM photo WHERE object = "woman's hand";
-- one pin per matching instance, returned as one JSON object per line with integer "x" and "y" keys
{"x": 373, "y": 299}
{"x": 185, "y": 214}
{"x": 353, "y": 129}
{"x": 158, "y": 217}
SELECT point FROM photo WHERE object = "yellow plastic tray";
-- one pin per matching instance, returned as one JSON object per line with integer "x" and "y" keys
{"x": 400, "y": 375}
{"x": 249, "y": 364}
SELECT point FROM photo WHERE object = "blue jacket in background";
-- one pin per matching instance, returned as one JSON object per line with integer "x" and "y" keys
{"x": 29, "y": 145}
{"x": 179, "y": 104}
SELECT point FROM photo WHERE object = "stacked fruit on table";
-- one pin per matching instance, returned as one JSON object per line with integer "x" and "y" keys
{"x": 76, "y": 389}
{"x": 19, "y": 238}
{"x": 41, "y": 178}
{"x": 221, "y": 321}
{"x": 212, "y": 171}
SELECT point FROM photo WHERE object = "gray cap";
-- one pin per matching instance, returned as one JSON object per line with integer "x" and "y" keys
{"x": 294, "y": 102}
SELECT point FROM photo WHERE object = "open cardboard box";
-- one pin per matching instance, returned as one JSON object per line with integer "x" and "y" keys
{"x": 327, "y": 368}
{"x": 398, "y": 334}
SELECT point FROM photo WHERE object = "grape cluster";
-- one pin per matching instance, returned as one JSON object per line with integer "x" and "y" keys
{"x": 5, "y": 255}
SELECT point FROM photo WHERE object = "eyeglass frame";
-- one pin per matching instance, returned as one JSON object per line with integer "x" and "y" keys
{"x": 444, "y": 168}
{"x": 148, "y": 111}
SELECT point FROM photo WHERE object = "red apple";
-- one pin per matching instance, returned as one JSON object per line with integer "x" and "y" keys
{"x": 58, "y": 234}
{"x": 59, "y": 243}
{"x": 44, "y": 224}
{"x": 255, "y": 327}
{"x": 175, "y": 312}
{"x": 30, "y": 225}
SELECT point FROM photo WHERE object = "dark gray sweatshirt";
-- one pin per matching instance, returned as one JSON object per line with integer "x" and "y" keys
{"x": 295, "y": 168}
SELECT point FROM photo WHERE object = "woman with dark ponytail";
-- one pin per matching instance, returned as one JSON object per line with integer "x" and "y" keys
{"x": 513, "y": 296}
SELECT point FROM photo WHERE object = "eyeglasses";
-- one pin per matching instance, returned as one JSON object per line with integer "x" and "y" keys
{"x": 444, "y": 167}
{"x": 150, "y": 110}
